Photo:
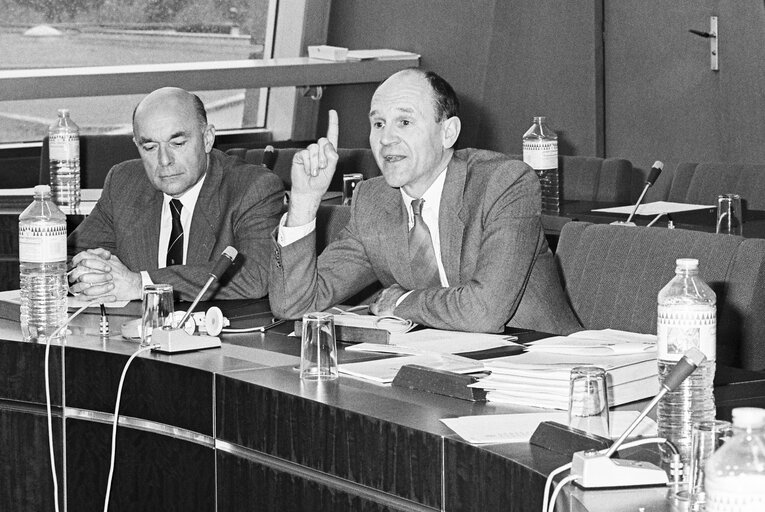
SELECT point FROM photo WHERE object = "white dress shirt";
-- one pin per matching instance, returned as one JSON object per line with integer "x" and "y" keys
{"x": 189, "y": 202}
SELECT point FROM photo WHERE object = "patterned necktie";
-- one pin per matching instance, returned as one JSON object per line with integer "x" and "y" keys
{"x": 421, "y": 251}
{"x": 175, "y": 247}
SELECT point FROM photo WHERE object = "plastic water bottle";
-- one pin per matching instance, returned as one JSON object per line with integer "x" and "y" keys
{"x": 687, "y": 318}
{"x": 540, "y": 152}
{"x": 64, "y": 156}
{"x": 42, "y": 266}
{"x": 735, "y": 474}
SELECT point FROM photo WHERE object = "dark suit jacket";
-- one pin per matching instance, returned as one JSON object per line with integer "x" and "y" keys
{"x": 496, "y": 258}
{"x": 239, "y": 205}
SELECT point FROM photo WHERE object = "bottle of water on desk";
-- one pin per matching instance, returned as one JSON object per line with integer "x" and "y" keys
{"x": 64, "y": 157}
{"x": 735, "y": 474}
{"x": 540, "y": 152}
{"x": 42, "y": 267}
{"x": 687, "y": 318}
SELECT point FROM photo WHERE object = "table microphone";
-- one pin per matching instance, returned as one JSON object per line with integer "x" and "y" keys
{"x": 599, "y": 470}
{"x": 176, "y": 339}
{"x": 650, "y": 180}
{"x": 225, "y": 260}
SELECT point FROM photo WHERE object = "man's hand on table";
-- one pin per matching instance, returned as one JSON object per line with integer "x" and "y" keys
{"x": 98, "y": 273}
{"x": 386, "y": 301}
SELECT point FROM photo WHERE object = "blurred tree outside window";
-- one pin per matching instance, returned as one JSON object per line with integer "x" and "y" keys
{"x": 73, "y": 33}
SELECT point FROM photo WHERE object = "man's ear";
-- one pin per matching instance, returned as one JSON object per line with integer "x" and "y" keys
{"x": 451, "y": 131}
{"x": 209, "y": 135}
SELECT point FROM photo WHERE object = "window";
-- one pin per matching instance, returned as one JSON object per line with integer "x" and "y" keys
{"x": 75, "y": 33}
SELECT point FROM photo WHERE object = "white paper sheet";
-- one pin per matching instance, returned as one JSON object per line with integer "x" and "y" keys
{"x": 518, "y": 428}
{"x": 656, "y": 208}
{"x": 438, "y": 341}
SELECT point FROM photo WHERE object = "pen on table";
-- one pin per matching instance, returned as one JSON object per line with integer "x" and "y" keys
{"x": 274, "y": 323}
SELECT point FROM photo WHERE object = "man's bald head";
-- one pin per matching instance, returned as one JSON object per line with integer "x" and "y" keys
{"x": 173, "y": 138}
{"x": 176, "y": 95}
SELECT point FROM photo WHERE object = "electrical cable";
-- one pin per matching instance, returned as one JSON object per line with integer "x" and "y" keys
{"x": 557, "y": 490}
{"x": 116, "y": 421}
{"x": 48, "y": 405}
{"x": 632, "y": 444}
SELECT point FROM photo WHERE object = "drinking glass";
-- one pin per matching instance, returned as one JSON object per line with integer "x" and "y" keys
{"x": 588, "y": 401}
{"x": 729, "y": 214}
{"x": 706, "y": 437}
{"x": 318, "y": 350}
{"x": 157, "y": 310}
{"x": 350, "y": 181}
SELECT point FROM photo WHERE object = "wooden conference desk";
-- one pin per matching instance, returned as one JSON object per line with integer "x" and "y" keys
{"x": 234, "y": 429}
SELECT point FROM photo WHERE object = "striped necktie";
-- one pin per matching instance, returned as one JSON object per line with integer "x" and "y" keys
{"x": 423, "y": 257}
{"x": 175, "y": 247}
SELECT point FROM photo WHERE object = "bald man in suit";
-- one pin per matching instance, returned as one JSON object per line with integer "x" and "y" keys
{"x": 125, "y": 243}
{"x": 492, "y": 262}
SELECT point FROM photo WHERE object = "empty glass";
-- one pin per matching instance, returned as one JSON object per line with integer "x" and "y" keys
{"x": 157, "y": 310}
{"x": 318, "y": 350}
{"x": 706, "y": 437}
{"x": 729, "y": 214}
{"x": 588, "y": 401}
{"x": 350, "y": 181}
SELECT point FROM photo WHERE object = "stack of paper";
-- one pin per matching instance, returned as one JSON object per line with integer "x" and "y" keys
{"x": 383, "y": 371}
{"x": 439, "y": 342}
{"x": 540, "y": 377}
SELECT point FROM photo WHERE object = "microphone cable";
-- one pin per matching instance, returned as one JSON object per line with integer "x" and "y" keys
{"x": 116, "y": 421}
{"x": 47, "y": 399}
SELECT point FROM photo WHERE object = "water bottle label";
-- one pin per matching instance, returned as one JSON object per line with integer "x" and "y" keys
{"x": 681, "y": 327}
{"x": 541, "y": 154}
{"x": 42, "y": 244}
{"x": 64, "y": 146}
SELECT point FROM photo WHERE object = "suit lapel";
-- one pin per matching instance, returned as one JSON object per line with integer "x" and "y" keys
{"x": 145, "y": 218}
{"x": 394, "y": 237}
{"x": 206, "y": 215}
{"x": 451, "y": 218}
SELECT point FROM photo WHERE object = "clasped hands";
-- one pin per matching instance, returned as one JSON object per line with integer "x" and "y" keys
{"x": 97, "y": 273}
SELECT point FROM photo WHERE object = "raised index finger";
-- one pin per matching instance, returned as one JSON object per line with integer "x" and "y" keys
{"x": 333, "y": 128}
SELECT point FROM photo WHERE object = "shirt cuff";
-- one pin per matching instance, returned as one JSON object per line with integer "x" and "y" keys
{"x": 401, "y": 299}
{"x": 288, "y": 235}
{"x": 145, "y": 279}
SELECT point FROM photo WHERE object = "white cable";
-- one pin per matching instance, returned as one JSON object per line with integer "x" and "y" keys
{"x": 557, "y": 490}
{"x": 47, "y": 402}
{"x": 116, "y": 421}
{"x": 548, "y": 484}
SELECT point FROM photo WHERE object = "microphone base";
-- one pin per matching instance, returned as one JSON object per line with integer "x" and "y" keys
{"x": 171, "y": 341}
{"x": 600, "y": 472}
{"x": 623, "y": 223}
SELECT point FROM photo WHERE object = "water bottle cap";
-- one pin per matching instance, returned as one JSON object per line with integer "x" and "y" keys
{"x": 687, "y": 263}
{"x": 63, "y": 112}
{"x": 42, "y": 190}
{"x": 748, "y": 417}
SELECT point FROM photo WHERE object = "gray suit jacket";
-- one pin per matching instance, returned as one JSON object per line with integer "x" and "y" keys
{"x": 496, "y": 258}
{"x": 239, "y": 205}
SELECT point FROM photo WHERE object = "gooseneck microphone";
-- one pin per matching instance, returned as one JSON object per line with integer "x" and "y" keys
{"x": 224, "y": 261}
{"x": 686, "y": 366}
{"x": 650, "y": 180}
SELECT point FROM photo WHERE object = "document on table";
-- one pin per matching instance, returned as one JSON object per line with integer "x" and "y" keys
{"x": 603, "y": 342}
{"x": 656, "y": 208}
{"x": 383, "y": 371}
{"x": 439, "y": 342}
{"x": 518, "y": 428}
